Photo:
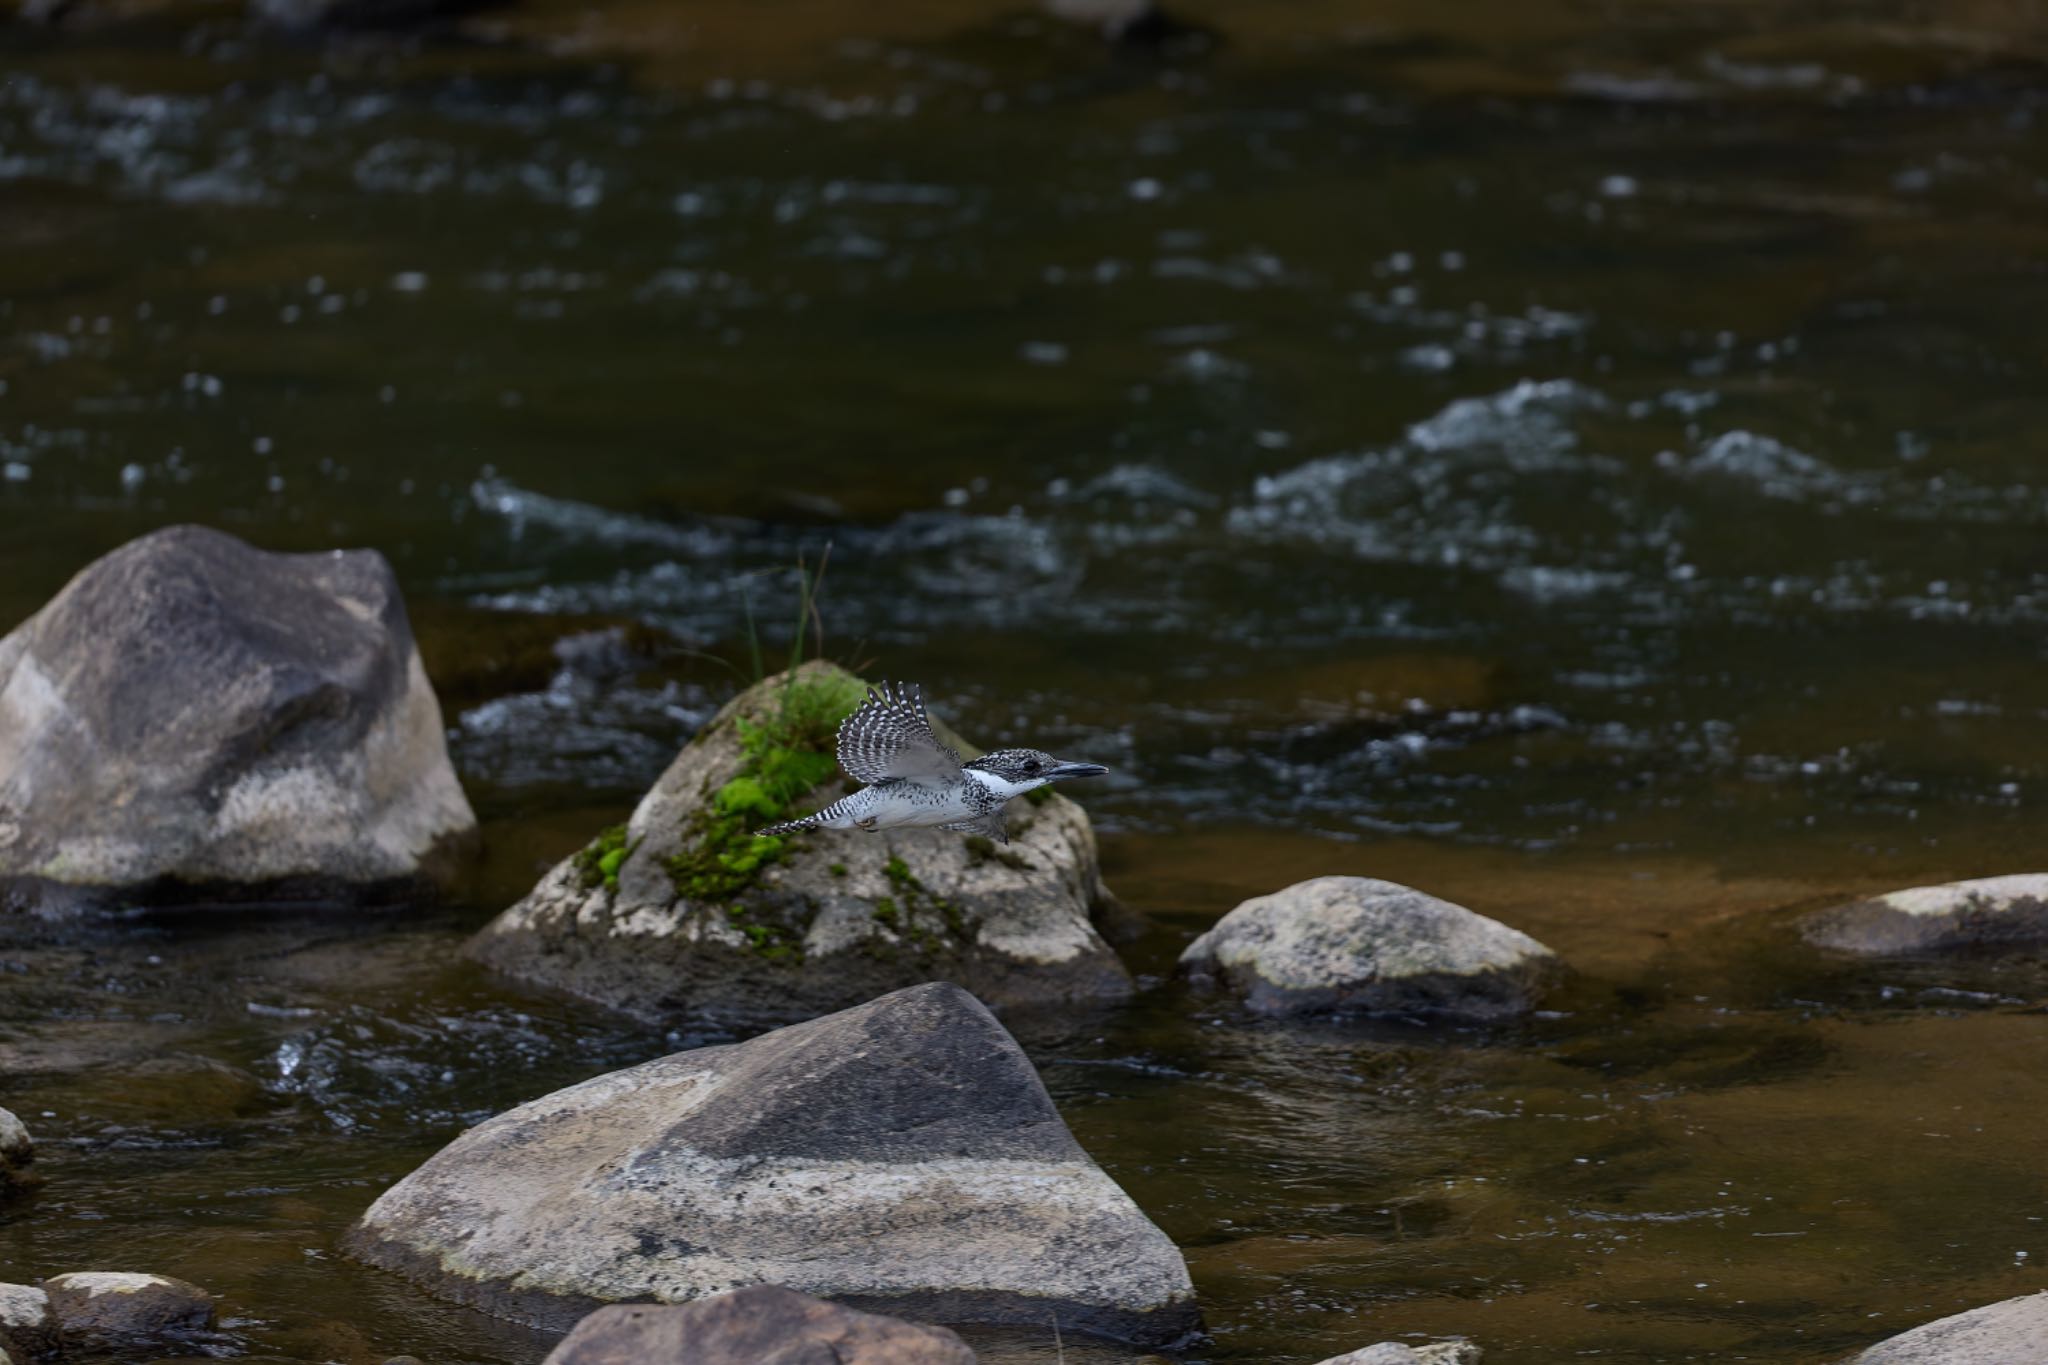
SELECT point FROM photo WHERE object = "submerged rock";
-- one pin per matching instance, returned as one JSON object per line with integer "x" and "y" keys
{"x": 1356, "y": 943}
{"x": 28, "y": 1327}
{"x": 2009, "y": 1333}
{"x": 1989, "y": 910}
{"x": 900, "y": 1157}
{"x": 360, "y": 14}
{"x": 195, "y": 719}
{"x": 764, "y": 1323}
{"x": 682, "y": 909}
{"x": 17, "y": 1154}
{"x": 1396, "y": 1353}
{"x": 116, "y": 1303}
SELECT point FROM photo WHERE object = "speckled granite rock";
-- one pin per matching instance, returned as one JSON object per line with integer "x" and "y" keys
{"x": 192, "y": 718}
{"x": 2012, "y": 1332}
{"x": 1356, "y": 943}
{"x": 122, "y": 1303}
{"x": 842, "y": 917}
{"x": 761, "y": 1325}
{"x": 900, "y": 1157}
{"x": 1989, "y": 910}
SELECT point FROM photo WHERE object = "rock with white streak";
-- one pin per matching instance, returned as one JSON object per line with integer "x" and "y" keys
{"x": 1337, "y": 944}
{"x": 1455, "y": 1352}
{"x": 127, "y": 1304}
{"x": 901, "y": 1157}
{"x": 2011, "y": 1332}
{"x": 191, "y": 718}
{"x": 1922, "y": 919}
{"x": 28, "y": 1328}
{"x": 834, "y": 918}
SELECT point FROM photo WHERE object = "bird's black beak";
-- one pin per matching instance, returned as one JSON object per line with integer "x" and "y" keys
{"x": 1076, "y": 770}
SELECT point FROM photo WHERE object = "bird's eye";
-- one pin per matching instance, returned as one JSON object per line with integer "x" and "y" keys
{"x": 1030, "y": 765}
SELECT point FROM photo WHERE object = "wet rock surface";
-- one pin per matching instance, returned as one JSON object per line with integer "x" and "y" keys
{"x": 127, "y": 1304}
{"x": 1986, "y": 911}
{"x": 28, "y": 1326}
{"x": 761, "y": 1325}
{"x": 1359, "y": 944}
{"x": 192, "y": 718}
{"x": 358, "y": 14}
{"x": 2007, "y": 1333}
{"x": 1399, "y": 1353}
{"x": 651, "y": 923}
{"x": 900, "y": 1157}
{"x": 17, "y": 1153}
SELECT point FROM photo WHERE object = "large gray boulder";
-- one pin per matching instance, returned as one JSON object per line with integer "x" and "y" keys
{"x": 1922, "y": 919}
{"x": 763, "y": 1325}
{"x": 194, "y": 719}
{"x": 900, "y": 1157}
{"x": 1360, "y": 944}
{"x": 2014, "y": 1332}
{"x": 653, "y": 919}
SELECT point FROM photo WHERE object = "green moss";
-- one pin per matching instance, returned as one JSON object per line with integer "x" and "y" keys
{"x": 599, "y": 862}
{"x": 981, "y": 849}
{"x": 1038, "y": 796}
{"x": 769, "y": 941}
{"x": 916, "y": 895}
{"x": 885, "y": 912}
{"x": 837, "y": 869}
{"x": 784, "y": 754}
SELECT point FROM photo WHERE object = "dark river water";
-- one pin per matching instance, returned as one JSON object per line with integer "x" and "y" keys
{"x": 1583, "y": 461}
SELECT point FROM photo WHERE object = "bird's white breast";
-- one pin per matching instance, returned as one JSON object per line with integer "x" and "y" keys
{"x": 1001, "y": 786}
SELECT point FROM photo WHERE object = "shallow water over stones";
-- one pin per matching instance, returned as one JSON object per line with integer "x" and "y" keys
{"x": 1583, "y": 465}
{"x": 1715, "y": 1141}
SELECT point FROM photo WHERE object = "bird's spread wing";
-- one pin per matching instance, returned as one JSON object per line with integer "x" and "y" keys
{"x": 890, "y": 737}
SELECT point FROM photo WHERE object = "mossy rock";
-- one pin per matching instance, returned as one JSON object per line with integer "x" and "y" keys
{"x": 684, "y": 911}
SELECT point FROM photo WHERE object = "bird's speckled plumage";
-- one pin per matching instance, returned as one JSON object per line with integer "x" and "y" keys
{"x": 911, "y": 777}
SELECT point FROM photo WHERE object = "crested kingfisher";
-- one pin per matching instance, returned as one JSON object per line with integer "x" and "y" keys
{"x": 910, "y": 777}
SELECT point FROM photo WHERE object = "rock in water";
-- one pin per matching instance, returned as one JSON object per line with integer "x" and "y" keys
{"x": 17, "y": 1154}
{"x": 28, "y": 1329}
{"x": 1990, "y": 910}
{"x": 765, "y": 1323}
{"x": 1355, "y": 943}
{"x": 191, "y": 718}
{"x": 1395, "y": 1353}
{"x": 359, "y": 14}
{"x": 2014, "y": 1332}
{"x": 901, "y": 1157}
{"x": 682, "y": 910}
{"x": 116, "y": 1303}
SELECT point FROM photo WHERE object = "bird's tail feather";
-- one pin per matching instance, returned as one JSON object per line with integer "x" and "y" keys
{"x": 789, "y": 826}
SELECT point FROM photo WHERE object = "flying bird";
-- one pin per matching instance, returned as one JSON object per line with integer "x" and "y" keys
{"x": 909, "y": 777}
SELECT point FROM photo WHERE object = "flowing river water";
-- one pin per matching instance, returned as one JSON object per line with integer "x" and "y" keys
{"x": 1581, "y": 461}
